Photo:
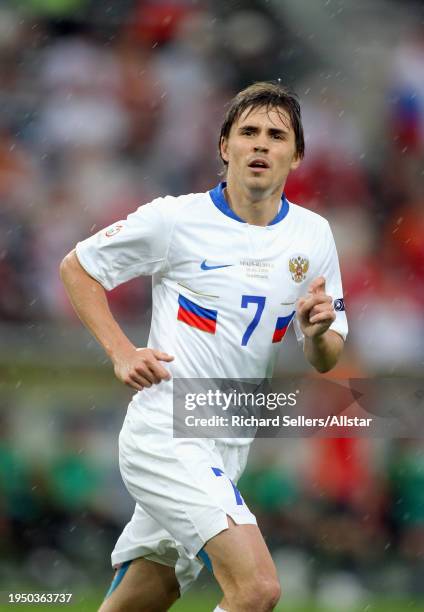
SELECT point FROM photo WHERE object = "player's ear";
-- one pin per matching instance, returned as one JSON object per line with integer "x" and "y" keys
{"x": 223, "y": 146}
{"x": 295, "y": 162}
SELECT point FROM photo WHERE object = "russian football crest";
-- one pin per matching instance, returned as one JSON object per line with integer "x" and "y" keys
{"x": 298, "y": 266}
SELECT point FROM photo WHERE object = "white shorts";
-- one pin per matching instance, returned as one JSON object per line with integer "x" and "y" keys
{"x": 184, "y": 489}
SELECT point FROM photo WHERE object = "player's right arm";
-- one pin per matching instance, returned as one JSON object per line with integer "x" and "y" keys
{"x": 136, "y": 367}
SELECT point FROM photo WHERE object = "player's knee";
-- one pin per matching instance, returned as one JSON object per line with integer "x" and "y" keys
{"x": 260, "y": 595}
{"x": 274, "y": 593}
{"x": 270, "y": 592}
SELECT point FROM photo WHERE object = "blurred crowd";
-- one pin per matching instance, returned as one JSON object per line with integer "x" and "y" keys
{"x": 104, "y": 108}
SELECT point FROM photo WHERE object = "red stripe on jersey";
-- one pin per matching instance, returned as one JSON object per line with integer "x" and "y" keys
{"x": 279, "y": 334}
{"x": 202, "y": 323}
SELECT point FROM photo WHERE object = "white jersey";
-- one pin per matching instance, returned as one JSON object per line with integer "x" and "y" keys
{"x": 224, "y": 291}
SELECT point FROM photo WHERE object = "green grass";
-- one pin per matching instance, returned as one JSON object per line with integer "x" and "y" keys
{"x": 198, "y": 601}
{"x": 206, "y": 603}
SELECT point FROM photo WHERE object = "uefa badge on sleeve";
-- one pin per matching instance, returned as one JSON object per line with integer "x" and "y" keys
{"x": 339, "y": 305}
{"x": 298, "y": 266}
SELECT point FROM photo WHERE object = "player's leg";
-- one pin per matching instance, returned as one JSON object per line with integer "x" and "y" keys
{"x": 146, "y": 557}
{"x": 242, "y": 554}
{"x": 188, "y": 486}
{"x": 244, "y": 569}
{"x": 142, "y": 586}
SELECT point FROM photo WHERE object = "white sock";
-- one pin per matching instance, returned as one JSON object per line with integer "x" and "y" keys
{"x": 218, "y": 609}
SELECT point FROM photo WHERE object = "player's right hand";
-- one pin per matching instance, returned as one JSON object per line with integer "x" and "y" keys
{"x": 141, "y": 367}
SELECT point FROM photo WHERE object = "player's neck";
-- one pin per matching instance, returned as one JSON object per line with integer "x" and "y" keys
{"x": 255, "y": 208}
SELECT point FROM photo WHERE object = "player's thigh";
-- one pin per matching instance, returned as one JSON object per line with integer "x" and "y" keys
{"x": 145, "y": 586}
{"x": 240, "y": 557}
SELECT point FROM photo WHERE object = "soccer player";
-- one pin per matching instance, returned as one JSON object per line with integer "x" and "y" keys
{"x": 231, "y": 268}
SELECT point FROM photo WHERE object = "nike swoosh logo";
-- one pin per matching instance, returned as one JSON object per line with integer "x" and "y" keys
{"x": 204, "y": 266}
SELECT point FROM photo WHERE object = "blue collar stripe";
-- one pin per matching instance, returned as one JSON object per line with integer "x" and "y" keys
{"x": 218, "y": 198}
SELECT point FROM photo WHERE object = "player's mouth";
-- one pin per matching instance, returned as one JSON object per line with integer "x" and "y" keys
{"x": 259, "y": 164}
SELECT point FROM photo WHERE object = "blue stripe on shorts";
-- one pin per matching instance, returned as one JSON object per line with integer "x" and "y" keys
{"x": 119, "y": 574}
{"x": 203, "y": 556}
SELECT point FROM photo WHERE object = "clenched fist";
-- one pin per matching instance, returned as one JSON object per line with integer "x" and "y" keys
{"x": 315, "y": 312}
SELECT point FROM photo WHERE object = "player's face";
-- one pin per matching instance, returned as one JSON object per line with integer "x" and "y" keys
{"x": 260, "y": 150}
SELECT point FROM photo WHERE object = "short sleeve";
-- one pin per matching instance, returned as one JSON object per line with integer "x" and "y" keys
{"x": 135, "y": 246}
{"x": 329, "y": 268}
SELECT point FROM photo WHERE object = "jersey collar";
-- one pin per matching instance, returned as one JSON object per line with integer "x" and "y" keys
{"x": 218, "y": 198}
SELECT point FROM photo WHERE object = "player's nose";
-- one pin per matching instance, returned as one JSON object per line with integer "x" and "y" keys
{"x": 260, "y": 148}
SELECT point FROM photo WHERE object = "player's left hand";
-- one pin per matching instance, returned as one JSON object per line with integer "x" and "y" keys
{"x": 315, "y": 312}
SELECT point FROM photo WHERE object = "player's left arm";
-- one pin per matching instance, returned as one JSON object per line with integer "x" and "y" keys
{"x": 315, "y": 312}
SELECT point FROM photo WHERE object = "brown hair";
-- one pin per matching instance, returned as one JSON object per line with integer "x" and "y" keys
{"x": 269, "y": 95}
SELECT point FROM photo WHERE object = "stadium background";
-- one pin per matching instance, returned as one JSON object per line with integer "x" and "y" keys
{"x": 107, "y": 105}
